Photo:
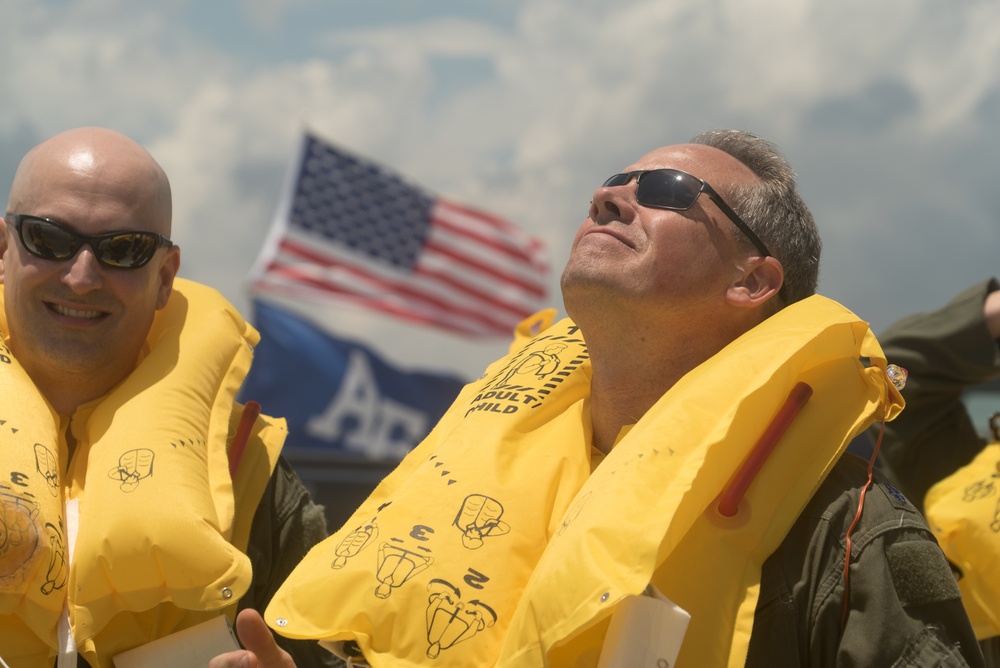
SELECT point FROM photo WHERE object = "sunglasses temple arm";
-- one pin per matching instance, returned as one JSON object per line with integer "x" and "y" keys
{"x": 738, "y": 222}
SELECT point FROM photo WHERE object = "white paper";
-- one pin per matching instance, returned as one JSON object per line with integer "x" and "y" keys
{"x": 645, "y": 632}
{"x": 193, "y": 647}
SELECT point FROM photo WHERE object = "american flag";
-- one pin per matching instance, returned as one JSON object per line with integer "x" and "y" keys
{"x": 351, "y": 230}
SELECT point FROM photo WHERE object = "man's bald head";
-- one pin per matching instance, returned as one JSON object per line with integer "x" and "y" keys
{"x": 102, "y": 158}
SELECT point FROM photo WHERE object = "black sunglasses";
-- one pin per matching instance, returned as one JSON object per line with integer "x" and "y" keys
{"x": 678, "y": 191}
{"x": 49, "y": 240}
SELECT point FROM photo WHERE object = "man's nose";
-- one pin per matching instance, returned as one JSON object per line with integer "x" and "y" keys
{"x": 613, "y": 203}
{"x": 84, "y": 273}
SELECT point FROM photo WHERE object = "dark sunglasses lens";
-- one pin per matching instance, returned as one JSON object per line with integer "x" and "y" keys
{"x": 127, "y": 250}
{"x": 668, "y": 189}
{"x": 47, "y": 240}
{"x": 617, "y": 180}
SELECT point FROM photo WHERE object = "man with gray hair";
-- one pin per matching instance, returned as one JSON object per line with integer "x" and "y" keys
{"x": 673, "y": 491}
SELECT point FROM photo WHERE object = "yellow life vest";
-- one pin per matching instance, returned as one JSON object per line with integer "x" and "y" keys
{"x": 963, "y": 511}
{"x": 160, "y": 539}
{"x": 492, "y": 544}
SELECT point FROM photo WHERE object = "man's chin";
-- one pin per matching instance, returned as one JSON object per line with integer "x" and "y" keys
{"x": 75, "y": 360}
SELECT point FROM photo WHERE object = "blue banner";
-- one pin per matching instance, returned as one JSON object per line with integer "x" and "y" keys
{"x": 338, "y": 395}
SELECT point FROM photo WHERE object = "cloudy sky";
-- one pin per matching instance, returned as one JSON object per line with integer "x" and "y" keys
{"x": 889, "y": 111}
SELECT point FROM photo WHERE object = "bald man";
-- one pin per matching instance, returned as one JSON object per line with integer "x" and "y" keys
{"x": 120, "y": 523}
{"x": 686, "y": 444}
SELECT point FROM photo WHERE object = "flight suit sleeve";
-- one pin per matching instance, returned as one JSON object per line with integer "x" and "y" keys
{"x": 944, "y": 351}
{"x": 903, "y": 605}
{"x": 286, "y": 525}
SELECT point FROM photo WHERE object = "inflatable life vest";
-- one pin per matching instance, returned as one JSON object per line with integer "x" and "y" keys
{"x": 492, "y": 544}
{"x": 159, "y": 542}
{"x": 963, "y": 511}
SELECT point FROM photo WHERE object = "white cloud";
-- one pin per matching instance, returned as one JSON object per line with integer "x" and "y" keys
{"x": 876, "y": 105}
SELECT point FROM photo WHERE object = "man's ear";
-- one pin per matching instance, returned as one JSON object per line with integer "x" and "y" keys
{"x": 755, "y": 282}
{"x": 167, "y": 272}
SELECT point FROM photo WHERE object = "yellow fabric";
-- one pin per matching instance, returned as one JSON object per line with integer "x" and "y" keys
{"x": 493, "y": 544}
{"x": 128, "y": 629}
{"x": 259, "y": 459}
{"x": 381, "y": 557}
{"x": 963, "y": 511}
{"x": 33, "y": 570}
{"x": 158, "y": 531}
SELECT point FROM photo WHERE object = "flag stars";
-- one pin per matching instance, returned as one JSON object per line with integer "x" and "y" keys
{"x": 362, "y": 207}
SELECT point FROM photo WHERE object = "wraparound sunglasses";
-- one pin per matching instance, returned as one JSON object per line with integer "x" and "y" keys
{"x": 678, "y": 191}
{"x": 49, "y": 240}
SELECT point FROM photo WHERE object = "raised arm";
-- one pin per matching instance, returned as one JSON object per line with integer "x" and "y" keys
{"x": 945, "y": 351}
